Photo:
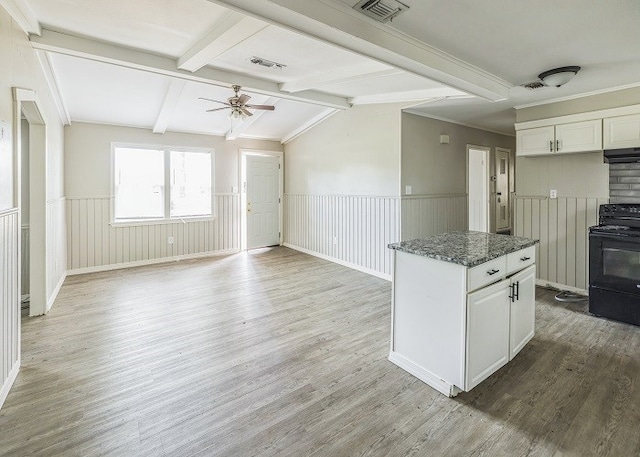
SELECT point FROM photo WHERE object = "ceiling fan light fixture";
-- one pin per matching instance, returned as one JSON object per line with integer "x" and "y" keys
{"x": 558, "y": 76}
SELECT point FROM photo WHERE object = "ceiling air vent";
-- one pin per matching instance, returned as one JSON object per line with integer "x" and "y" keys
{"x": 533, "y": 85}
{"x": 381, "y": 10}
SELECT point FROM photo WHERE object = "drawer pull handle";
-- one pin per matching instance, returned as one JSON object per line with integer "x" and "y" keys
{"x": 524, "y": 259}
{"x": 492, "y": 272}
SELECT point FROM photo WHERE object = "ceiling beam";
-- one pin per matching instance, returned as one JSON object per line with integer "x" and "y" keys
{"x": 338, "y": 76}
{"x": 336, "y": 23}
{"x": 409, "y": 96}
{"x": 315, "y": 120}
{"x": 22, "y": 13}
{"x": 241, "y": 127}
{"x": 233, "y": 29}
{"x": 169, "y": 104}
{"x": 116, "y": 55}
{"x": 54, "y": 87}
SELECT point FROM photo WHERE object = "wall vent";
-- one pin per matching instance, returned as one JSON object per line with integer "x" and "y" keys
{"x": 381, "y": 10}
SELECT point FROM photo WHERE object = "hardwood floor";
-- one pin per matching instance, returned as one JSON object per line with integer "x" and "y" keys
{"x": 278, "y": 353}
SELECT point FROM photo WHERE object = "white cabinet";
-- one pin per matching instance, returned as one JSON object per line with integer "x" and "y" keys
{"x": 560, "y": 139}
{"x": 453, "y": 326}
{"x": 522, "y": 310}
{"x": 535, "y": 142}
{"x": 487, "y": 332}
{"x": 622, "y": 132}
{"x": 500, "y": 322}
{"x": 579, "y": 137}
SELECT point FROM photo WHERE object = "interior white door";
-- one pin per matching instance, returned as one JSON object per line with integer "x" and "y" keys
{"x": 263, "y": 201}
{"x": 478, "y": 185}
{"x": 502, "y": 190}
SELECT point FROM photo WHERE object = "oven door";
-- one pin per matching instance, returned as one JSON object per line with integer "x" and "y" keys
{"x": 614, "y": 262}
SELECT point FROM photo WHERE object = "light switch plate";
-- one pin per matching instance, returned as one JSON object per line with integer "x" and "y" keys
{"x": 408, "y": 190}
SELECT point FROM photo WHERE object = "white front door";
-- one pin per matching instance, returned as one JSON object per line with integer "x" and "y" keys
{"x": 263, "y": 201}
{"x": 502, "y": 190}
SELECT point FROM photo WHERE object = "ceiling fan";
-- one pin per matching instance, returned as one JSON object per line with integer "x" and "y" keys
{"x": 238, "y": 104}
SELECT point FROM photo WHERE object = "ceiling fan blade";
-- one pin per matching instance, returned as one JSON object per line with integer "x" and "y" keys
{"x": 244, "y": 98}
{"x": 245, "y": 112}
{"x": 217, "y": 109}
{"x": 211, "y": 100}
{"x": 267, "y": 107}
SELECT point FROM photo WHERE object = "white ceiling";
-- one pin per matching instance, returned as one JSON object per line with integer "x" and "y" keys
{"x": 145, "y": 63}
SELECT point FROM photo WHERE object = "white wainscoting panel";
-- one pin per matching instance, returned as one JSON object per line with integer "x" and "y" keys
{"x": 353, "y": 230}
{"x": 9, "y": 301}
{"x": 24, "y": 266}
{"x": 56, "y": 247}
{"x": 425, "y": 215}
{"x": 562, "y": 226}
{"x": 93, "y": 242}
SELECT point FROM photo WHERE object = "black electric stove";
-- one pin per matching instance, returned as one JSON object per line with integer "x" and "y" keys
{"x": 614, "y": 263}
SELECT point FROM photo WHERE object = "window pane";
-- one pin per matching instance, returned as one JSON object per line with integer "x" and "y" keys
{"x": 190, "y": 184}
{"x": 139, "y": 183}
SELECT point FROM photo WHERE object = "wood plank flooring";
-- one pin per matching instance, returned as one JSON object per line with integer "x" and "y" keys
{"x": 274, "y": 352}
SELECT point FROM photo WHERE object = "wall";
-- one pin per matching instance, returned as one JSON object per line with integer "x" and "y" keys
{"x": 613, "y": 99}
{"x": 437, "y": 174}
{"x": 21, "y": 69}
{"x": 582, "y": 183}
{"x": 95, "y": 244}
{"x": 24, "y": 205}
{"x": 342, "y": 188}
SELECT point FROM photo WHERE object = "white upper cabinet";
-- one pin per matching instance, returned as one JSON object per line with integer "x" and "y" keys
{"x": 573, "y": 137}
{"x": 579, "y": 137}
{"x": 622, "y": 132}
{"x": 535, "y": 142}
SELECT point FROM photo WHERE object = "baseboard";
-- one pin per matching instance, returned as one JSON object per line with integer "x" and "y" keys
{"x": 6, "y": 387}
{"x": 55, "y": 293}
{"x": 142, "y": 263}
{"x": 562, "y": 287}
{"x": 340, "y": 262}
{"x": 424, "y": 375}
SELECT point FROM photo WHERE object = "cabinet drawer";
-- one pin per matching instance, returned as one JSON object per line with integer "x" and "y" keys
{"x": 520, "y": 259}
{"x": 486, "y": 273}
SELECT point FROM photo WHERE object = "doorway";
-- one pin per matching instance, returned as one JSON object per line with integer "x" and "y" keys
{"x": 478, "y": 187}
{"x": 503, "y": 213}
{"x": 34, "y": 141}
{"x": 261, "y": 199}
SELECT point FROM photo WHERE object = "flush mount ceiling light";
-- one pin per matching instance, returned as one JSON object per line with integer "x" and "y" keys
{"x": 558, "y": 76}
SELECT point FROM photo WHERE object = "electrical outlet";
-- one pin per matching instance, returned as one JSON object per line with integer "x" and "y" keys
{"x": 553, "y": 193}
{"x": 335, "y": 240}
{"x": 170, "y": 240}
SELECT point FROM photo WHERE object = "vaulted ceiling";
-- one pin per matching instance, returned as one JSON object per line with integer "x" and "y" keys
{"x": 147, "y": 63}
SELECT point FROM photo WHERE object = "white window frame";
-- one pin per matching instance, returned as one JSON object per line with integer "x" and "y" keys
{"x": 167, "y": 219}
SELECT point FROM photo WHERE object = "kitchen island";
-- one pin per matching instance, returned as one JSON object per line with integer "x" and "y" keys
{"x": 463, "y": 306}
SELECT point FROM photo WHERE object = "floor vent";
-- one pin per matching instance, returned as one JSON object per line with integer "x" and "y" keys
{"x": 381, "y": 10}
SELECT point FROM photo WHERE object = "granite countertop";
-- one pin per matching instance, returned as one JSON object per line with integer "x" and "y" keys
{"x": 466, "y": 248}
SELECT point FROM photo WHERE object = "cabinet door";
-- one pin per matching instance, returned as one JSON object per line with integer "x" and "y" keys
{"x": 535, "y": 142}
{"x": 622, "y": 132}
{"x": 487, "y": 332}
{"x": 579, "y": 137}
{"x": 523, "y": 310}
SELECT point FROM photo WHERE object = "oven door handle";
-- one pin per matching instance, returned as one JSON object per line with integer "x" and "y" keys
{"x": 609, "y": 236}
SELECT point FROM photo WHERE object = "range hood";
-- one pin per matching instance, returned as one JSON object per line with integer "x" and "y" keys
{"x": 627, "y": 155}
